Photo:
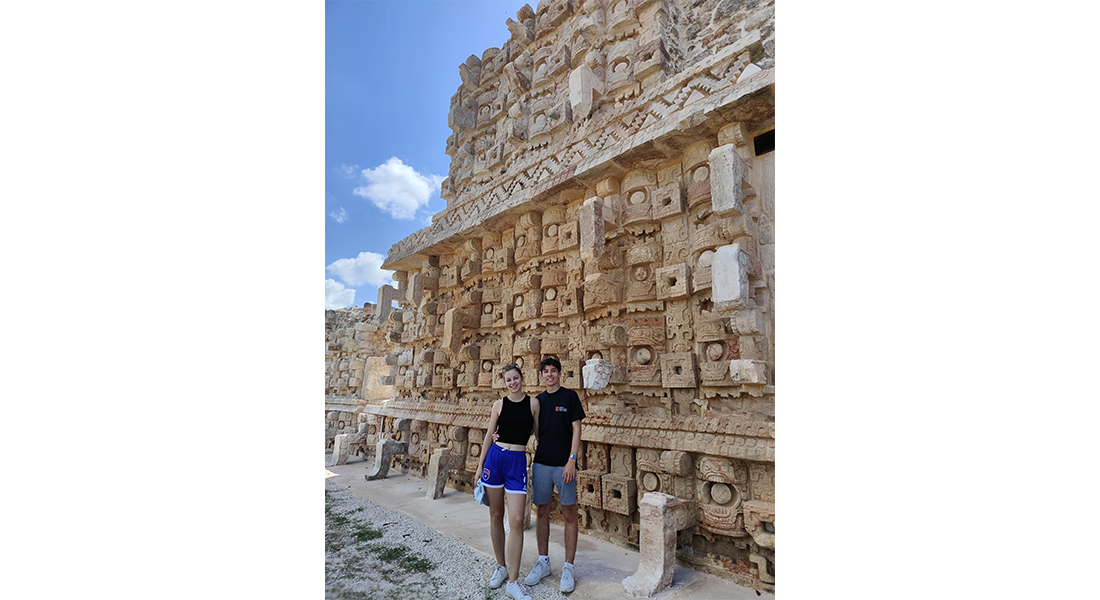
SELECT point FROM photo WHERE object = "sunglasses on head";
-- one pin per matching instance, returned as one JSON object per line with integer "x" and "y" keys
{"x": 511, "y": 366}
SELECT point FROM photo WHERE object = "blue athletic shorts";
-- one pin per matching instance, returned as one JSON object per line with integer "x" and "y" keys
{"x": 544, "y": 478}
{"x": 505, "y": 469}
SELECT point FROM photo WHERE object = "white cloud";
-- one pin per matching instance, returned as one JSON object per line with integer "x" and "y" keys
{"x": 397, "y": 188}
{"x": 349, "y": 172}
{"x": 340, "y": 216}
{"x": 365, "y": 268}
{"x": 337, "y": 296}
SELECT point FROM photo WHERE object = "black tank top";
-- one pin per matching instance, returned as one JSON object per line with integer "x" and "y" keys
{"x": 515, "y": 422}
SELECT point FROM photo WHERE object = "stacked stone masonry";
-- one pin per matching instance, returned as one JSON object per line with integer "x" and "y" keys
{"x": 610, "y": 202}
{"x": 355, "y": 348}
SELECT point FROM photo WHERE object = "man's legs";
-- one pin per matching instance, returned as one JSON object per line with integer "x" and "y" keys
{"x": 542, "y": 528}
{"x": 543, "y": 493}
{"x": 569, "y": 514}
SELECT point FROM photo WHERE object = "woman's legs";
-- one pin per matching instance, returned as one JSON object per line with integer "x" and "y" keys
{"x": 516, "y": 504}
{"x": 496, "y": 521}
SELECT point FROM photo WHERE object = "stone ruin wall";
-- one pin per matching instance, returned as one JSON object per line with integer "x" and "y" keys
{"x": 354, "y": 363}
{"x": 607, "y": 204}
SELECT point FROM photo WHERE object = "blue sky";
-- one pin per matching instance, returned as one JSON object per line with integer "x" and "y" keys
{"x": 390, "y": 71}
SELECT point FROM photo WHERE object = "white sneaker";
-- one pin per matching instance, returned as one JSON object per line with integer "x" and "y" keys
{"x": 515, "y": 592}
{"x": 567, "y": 579}
{"x": 538, "y": 572}
{"x": 500, "y": 575}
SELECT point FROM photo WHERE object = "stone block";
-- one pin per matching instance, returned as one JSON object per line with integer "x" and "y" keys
{"x": 384, "y": 452}
{"x": 644, "y": 375}
{"x": 585, "y": 90}
{"x": 621, "y": 527}
{"x": 596, "y": 457}
{"x": 727, "y": 174}
{"x": 622, "y": 461}
{"x": 591, "y": 226}
{"x": 677, "y": 463}
{"x": 760, "y": 521}
{"x": 553, "y": 346}
{"x": 589, "y": 488}
{"x": 341, "y": 446}
{"x": 762, "y": 568}
{"x": 619, "y": 493}
{"x": 668, "y": 201}
{"x": 568, "y": 235}
{"x": 660, "y": 518}
{"x": 386, "y": 296}
{"x": 673, "y": 282}
{"x": 730, "y": 287}
{"x": 529, "y": 345}
{"x": 602, "y": 289}
{"x": 454, "y": 320}
{"x": 723, "y": 520}
{"x": 678, "y": 370}
{"x": 572, "y": 374}
{"x": 748, "y": 372}
{"x": 442, "y": 461}
{"x": 597, "y": 374}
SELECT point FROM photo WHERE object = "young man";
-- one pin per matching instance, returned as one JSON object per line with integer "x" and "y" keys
{"x": 555, "y": 465}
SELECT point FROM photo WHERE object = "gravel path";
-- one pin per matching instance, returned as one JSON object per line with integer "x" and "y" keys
{"x": 373, "y": 553}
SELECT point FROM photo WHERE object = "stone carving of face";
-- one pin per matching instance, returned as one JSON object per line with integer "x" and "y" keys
{"x": 715, "y": 351}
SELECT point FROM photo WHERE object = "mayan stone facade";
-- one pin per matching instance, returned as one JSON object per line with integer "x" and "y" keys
{"x": 609, "y": 202}
{"x": 354, "y": 362}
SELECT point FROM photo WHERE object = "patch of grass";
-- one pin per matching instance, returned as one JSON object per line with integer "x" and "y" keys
{"x": 403, "y": 557}
{"x": 365, "y": 533}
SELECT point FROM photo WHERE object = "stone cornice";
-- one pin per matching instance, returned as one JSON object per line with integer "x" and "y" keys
{"x": 737, "y": 436}
{"x": 540, "y": 173}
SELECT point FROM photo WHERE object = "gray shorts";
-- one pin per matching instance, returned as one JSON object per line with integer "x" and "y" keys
{"x": 543, "y": 480}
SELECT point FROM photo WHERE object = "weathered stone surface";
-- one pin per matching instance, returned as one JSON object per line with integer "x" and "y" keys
{"x": 383, "y": 454}
{"x": 660, "y": 517}
{"x": 760, "y": 521}
{"x": 440, "y": 463}
{"x": 342, "y": 444}
{"x": 605, "y": 205}
{"x": 597, "y": 373}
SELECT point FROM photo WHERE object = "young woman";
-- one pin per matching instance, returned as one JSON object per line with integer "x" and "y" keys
{"x": 503, "y": 468}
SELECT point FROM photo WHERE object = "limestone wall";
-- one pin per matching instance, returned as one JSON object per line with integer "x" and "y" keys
{"x": 354, "y": 364}
{"x": 610, "y": 202}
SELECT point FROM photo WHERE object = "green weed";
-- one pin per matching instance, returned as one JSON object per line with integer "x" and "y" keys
{"x": 403, "y": 557}
{"x": 366, "y": 533}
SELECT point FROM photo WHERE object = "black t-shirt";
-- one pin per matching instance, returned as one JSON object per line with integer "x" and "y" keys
{"x": 557, "y": 412}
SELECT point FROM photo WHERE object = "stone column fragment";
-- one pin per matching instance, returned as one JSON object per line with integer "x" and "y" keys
{"x": 439, "y": 464}
{"x": 386, "y": 296}
{"x": 661, "y": 516}
{"x": 727, "y": 174}
{"x": 453, "y": 322}
{"x": 342, "y": 445}
{"x": 730, "y": 276}
{"x": 585, "y": 90}
{"x": 384, "y": 452}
